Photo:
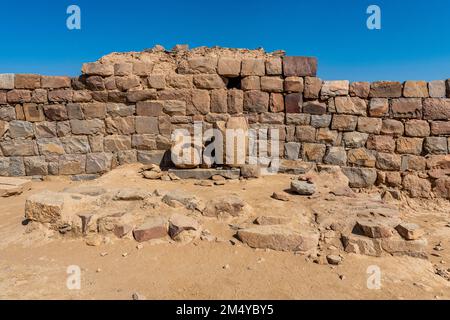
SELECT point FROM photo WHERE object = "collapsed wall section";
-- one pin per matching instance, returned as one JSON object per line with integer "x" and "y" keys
{"x": 124, "y": 107}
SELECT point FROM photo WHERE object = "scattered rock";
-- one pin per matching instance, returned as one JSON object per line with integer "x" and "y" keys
{"x": 280, "y": 196}
{"x": 130, "y": 194}
{"x": 204, "y": 183}
{"x": 271, "y": 220}
{"x": 304, "y": 188}
{"x": 94, "y": 240}
{"x": 250, "y": 171}
{"x": 137, "y": 296}
{"x": 226, "y": 205}
{"x": 410, "y": 231}
{"x": 153, "y": 228}
{"x": 153, "y": 175}
{"x": 374, "y": 230}
{"x": 179, "y": 223}
{"x": 334, "y": 259}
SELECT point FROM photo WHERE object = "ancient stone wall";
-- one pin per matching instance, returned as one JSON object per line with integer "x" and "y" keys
{"x": 124, "y": 107}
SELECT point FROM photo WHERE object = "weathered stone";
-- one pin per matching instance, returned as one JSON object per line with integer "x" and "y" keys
{"x": 229, "y": 67}
{"x": 385, "y": 89}
{"x": 417, "y": 128}
{"x": 75, "y": 144}
{"x": 360, "y": 177}
{"x": 335, "y": 88}
{"x": 374, "y": 229}
{"x": 27, "y": 81}
{"x": 7, "y": 81}
{"x": 415, "y": 89}
{"x": 272, "y": 84}
{"x": 153, "y": 156}
{"x": 115, "y": 143}
{"x": 293, "y": 102}
{"x": 274, "y": 66}
{"x": 35, "y": 166}
{"x": 304, "y": 188}
{"x": 362, "y": 245}
{"x": 435, "y": 145}
{"x": 226, "y": 206}
{"x": 208, "y": 81}
{"x": 141, "y": 95}
{"x": 407, "y": 108}
{"x": 336, "y": 156}
{"x": 120, "y": 110}
{"x": 369, "y": 125}
{"x": 417, "y": 187}
{"x": 250, "y": 171}
{"x": 55, "y": 112}
{"x": 72, "y": 164}
{"x": 127, "y": 83}
{"x": 344, "y": 122}
{"x": 55, "y": 82}
{"x": 361, "y": 157}
{"x": 381, "y": 143}
{"x": 251, "y": 83}
{"x": 320, "y": 121}
{"x": 21, "y": 129}
{"x": 398, "y": 246}
{"x": 44, "y": 207}
{"x": 436, "y": 109}
{"x": 312, "y": 87}
{"x": 388, "y": 161}
{"x": 413, "y": 163}
{"x": 440, "y": 128}
{"x": 359, "y": 89}
{"x": 313, "y": 152}
{"x": 96, "y": 68}
{"x": 442, "y": 187}
{"x": 392, "y": 127}
{"x": 219, "y": 101}
{"x": 18, "y": 96}
{"x": 409, "y": 145}
{"x": 253, "y": 67}
{"x": 147, "y": 125}
{"x": 314, "y": 107}
{"x": 153, "y": 228}
{"x": 351, "y": 105}
{"x": 292, "y": 150}
{"x": 19, "y": 147}
{"x": 327, "y": 136}
{"x": 256, "y": 101}
{"x": 279, "y": 238}
{"x": 88, "y": 127}
{"x": 293, "y": 84}
{"x": 378, "y": 107}
{"x": 33, "y": 112}
{"x": 179, "y": 223}
{"x": 276, "y": 102}
{"x": 410, "y": 231}
{"x": 355, "y": 139}
{"x": 437, "y": 89}
{"x": 39, "y": 96}
{"x": 299, "y": 66}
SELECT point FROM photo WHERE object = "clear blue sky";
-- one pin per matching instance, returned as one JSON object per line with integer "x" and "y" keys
{"x": 414, "y": 42}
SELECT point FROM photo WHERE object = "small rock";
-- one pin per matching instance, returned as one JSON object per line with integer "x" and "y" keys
{"x": 333, "y": 259}
{"x": 342, "y": 277}
{"x": 280, "y": 196}
{"x": 125, "y": 254}
{"x": 217, "y": 177}
{"x": 94, "y": 240}
{"x": 130, "y": 194}
{"x": 303, "y": 188}
{"x": 204, "y": 183}
{"x": 98, "y": 270}
{"x": 153, "y": 175}
{"x": 102, "y": 254}
{"x": 139, "y": 246}
{"x": 220, "y": 183}
{"x": 227, "y": 266}
{"x": 137, "y": 296}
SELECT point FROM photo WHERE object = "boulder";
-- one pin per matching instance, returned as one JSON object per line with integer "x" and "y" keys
{"x": 226, "y": 205}
{"x": 409, "y": 231}
{"x": 180, "y": 198}
{"x": 153, "y": 228}
{"x": 182, "y": 227}
{"x": 304, "y": 188}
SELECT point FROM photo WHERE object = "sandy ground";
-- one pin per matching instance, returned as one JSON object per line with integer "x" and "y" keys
{"x": 35, "y": 267}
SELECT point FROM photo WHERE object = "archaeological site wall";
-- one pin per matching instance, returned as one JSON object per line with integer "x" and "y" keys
{"x": 123, "y": 108}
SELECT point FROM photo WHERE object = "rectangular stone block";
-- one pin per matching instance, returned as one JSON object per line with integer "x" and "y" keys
{"x": 208, "y": 81}
{"x": 344, "y": 122}
{"x": 55, "y": 82}
{"x": 35, "y": 166}
{"x": 313, "y": 152}
{"x": 229, "y": 67}
{"x": 381, "y": 143}
{"x": 299, "y": 66}
{"x": 369, "y": 125}
{"x": 272, "y": 84}
{"x": 350, "y": 105}
{"x": 18, "y": 147}
{"x": 150, "y": 108}
{"x": 415, "y": 89}
{"x": 18, "y": 96}
{"x": 392, "y": 127}
{"x": 386, "y": 89}
{"x": 274, "y": 66}
{"x": 142, "y": 69}
{"x": 436, "y": 109}
{"x": 98, "y": 69}
{"x": 69, "y": 164}
{"x": 147, "y": 125}
{"x": 6, "y": 81}
{"x": 235, "y": 101}
{"x": 409, "y": 145}
{"x": 440, "y": 128}
{"x": 27, "y": 81}
{"x": 251, "y": 83}
{"x": 93, "y": 110}
{"x": 76, "y": 144}
{"x": 87, "y": 127}
{"x": 33, "y": 112}
{"x": 378, "y": 107}
{"x": 253, "y": 67}
{"x": 335, "y": 88}
{"x": 256, "y": 101}
{"x": 417, "y": 128}
{"x": 359, "y": 89}
{"x": 123, "y": 69}
{"x": 45, "y": 129}
{"x": 437, "y": 89}
{"x": 293, "y": 84}
{"x": 116, "y": 143}
{"x": 98, "y": 162}
{"x": 407, "y": 108}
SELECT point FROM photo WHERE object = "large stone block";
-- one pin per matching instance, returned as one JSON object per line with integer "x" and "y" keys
{"x": 55, "y": 112}
{"x": 313, "y": 152}
{"x": 294, "y": 84}
{"x": 385, "y": 89}
{"x": 93, "y": 110}
{"x": 21, "y": 129}
{"x": 335, "y": 88}
{"x": 360, "y": 177}
{"x": 256, "y": 101}
{"x": 219, "y": 100}
{"x": 437, "y": 89}
{"x": 50, "y": 146}
{"x": 378, "y": 107}
{"x": 313, "y": 86}
{"x": 45, "y": 129}
{"x": 272, "y": 84}
{"x": 407, "y": 108}
{"x": 435, "y": 145}
{"x": 274, "y": 66}
{"x": 209, "y": 81}
{"x": 305, "y": 133}
{"x": 229, "y": 67}
{"x": 18, "y": 96}
{"x": 35, "y": 166}
{"x": 350, "y": 105}
{"x": 27, "y": 81}
{"x": 6, "y": 81}
{"x": 359, "y": 89}
{"x": 19, "y": 147}
{"x": 147, "y": 125}
{"x": 120, "y": 125}
{"x": 392, "y": 127}
{"x": 143, "y": 69}
{"x": 76, "y": 144}
{"x": 388, "y": 161}
{"x": 381, "y": 143}
{"x": 336, "y": 156}
{"x": 116, "y": 143}
{"x": 415, "y": 89}
{"x": 321, "y": 121}
{"x": 127, "y": 83}
{"x": 327, "y": 136}
{"x": 99, "y": 69}
{"x": 417, "y": 187}
{"x": 354, "y": 139}
{"x": 98, "y": 162}
{"x": 55, "y": 82}
{"x": 251, "y": 83}
{"x": 361, "y": 157}
{"x": 299, "y": 66}
{"x": 417, "y": 128}
{"x": 70, "y": 164}
{"x": 436, "y": 109}
{"x": 141, "y": 95}
{"x": 409, "y": 145}
{"x": 198, "y": 64}
{"x": 253, "y": 67}
{"x": 369, "y": 125}
{"x": 179, "y": 81}
{"x": 87, "y": 127}
{"x": 344, "y": 122}
{"x": 440, "y": 128}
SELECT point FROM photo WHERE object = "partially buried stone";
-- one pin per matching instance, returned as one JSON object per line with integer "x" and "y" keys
{"x": 304, "y": 188}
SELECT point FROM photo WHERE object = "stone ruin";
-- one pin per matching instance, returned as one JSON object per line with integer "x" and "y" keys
{"x": 124, "y": 107}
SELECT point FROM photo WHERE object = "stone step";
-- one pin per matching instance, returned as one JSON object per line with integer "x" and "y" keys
{"x": 203, "y": 174}
{"x": 12, "y": 186}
